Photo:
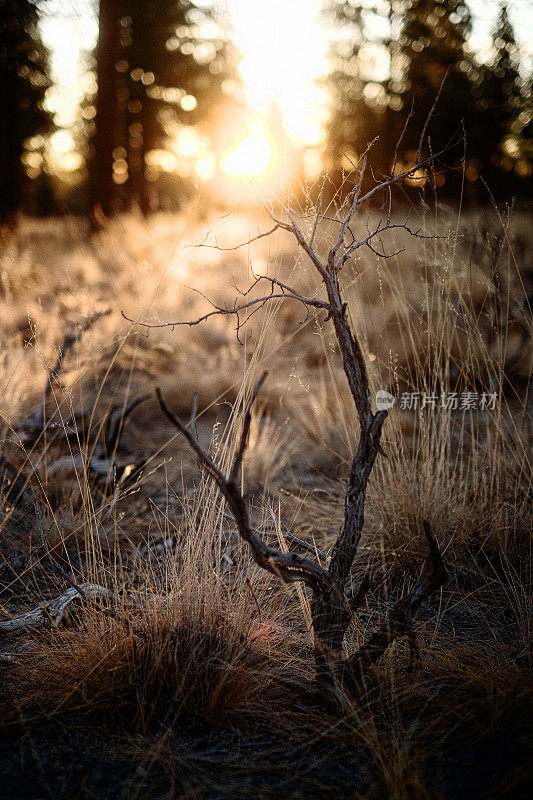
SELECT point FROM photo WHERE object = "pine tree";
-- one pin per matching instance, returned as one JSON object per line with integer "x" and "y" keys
{"x": 24, "y": 80}
{"x": 359, "y": 100}
{"x": 437, "y": 62}
{"x": 426, "y": 43}
{"x": 169, "y": 63}
{"x": 523, "y": 130}
{"x": 498, "y": 106}
{"x": 102, "y": 188}
{"x": 430, "y": 56}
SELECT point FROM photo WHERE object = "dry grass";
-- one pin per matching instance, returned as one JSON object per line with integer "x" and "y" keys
{"x": 201, "y": 638}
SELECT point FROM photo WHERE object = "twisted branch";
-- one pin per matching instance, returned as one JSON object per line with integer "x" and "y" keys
{"x": 331, "y": 606}
{"x": 290, "y": 567}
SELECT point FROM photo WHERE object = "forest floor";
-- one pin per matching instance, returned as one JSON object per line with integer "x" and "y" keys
{"x": 175, "y": 684}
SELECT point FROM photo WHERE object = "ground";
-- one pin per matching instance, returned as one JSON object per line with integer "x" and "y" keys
{"x": 182, "y": 683}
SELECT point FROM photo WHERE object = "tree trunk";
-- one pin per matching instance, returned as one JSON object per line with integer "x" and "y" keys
{"x": 102, "y": 189}
{"x": 10, "y": 169}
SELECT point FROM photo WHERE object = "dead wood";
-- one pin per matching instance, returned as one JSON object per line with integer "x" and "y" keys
{"x": 100, "y": 463}
{"x": 51, "y": 612}
{"x": 35, "y": 424}
{"x": 333, "y": 672}
{"x": 332, "y": 607}
{"x": 18, "y": 496}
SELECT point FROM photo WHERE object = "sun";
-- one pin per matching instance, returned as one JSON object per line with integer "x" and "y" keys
{"x": 284, "y": 51}
{"x": 251, "y": 157}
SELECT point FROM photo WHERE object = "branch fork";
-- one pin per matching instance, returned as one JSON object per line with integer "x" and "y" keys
{"x": 332, "y": 607}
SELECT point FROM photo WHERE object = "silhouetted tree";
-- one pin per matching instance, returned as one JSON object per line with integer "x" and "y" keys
{"x": 359, "y": 83}
{"x": 102, "y": 188}
{"x": 169, "y": 62}
{"x": 437, "y": 62}
{"x": 24, "y": 80}
{"x": 500, "y": 101}
{"x": 523, "y": 130}
{"x": 425, "y": 42}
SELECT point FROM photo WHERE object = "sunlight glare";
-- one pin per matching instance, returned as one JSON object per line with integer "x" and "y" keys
{"x": 187, "y": 143}
{"x": 205, "y": 167}
{"x": 284, "y": 51}
{"x": 67, "y": 36}
{"x": 189, "y": 102}
{"x": 251, "y": 157}
{"x": 61, "y": 142}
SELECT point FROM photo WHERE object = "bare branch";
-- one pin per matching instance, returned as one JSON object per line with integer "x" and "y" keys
{"x": 236, "y": 309}
{"x": 312, "y": 548}
{"x": 70, "y": 340}
{"x": 289, "y": 567}
{"x": 332, "y": 606}
{"x": 345, "y": 548}
{"x": 287, "y": 534}
{"x": 114, "y": 424}
{"x": 34, "y": 423}
{"x": 367, "y": 241}
{"x": 216, "y": 246}
{"x": 194, "y": 415}
{"x": 394, "y": 179}
{"x": 348, "y": 218}
{"x": 295, "y": 229}
{"x": 408, "y": 119}
{"x": 52, "y": 611}
{"x": 292, "y": 293}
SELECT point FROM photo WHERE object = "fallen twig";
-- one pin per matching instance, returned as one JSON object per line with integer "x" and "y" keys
{"x": 52, "y": 611}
